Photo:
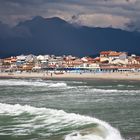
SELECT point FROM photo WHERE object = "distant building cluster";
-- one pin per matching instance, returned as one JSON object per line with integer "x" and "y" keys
{"x": 107, "y": 61}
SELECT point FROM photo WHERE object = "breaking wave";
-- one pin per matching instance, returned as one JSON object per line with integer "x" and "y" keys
{"x": 120, "y": 85}
{"x": 51, "y": 122}
{"x": 39, "y": 83}
{"x": 113, "y": 91}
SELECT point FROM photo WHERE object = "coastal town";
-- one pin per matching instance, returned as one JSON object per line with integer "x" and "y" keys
{"x": 107, "y": 61}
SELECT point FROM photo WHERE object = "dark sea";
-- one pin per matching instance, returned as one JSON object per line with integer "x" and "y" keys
{"x": 35, "y": 109}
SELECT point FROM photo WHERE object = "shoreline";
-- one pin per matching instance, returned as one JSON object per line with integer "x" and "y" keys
{"x": 90, "y": 76}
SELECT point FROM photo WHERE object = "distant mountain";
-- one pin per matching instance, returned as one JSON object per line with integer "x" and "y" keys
{"x": 56, "y": 36}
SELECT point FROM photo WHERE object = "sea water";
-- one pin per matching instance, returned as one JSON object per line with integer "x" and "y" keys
{"x": 36, "y": 109}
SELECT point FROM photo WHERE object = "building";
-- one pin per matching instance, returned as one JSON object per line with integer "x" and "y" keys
{"x": 113, "y": 57}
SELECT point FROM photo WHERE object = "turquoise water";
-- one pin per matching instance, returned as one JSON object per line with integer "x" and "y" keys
{"x": 69, "y": 109}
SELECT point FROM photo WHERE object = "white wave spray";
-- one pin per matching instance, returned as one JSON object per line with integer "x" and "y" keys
{"x": 19, "y": 82}
{"x": 58, "y": 120}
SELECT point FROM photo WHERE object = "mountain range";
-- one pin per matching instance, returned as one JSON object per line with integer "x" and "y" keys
{"x": 56, "y": 36}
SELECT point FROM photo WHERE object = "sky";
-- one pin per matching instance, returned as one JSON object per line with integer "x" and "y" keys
{"x": 123, "y": 14}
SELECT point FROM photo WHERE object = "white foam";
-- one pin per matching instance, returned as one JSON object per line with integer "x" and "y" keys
{"x": 58, "y": 85}
{"x": 121, "y": 85}
{"x": 37, "y": 83}
{"x": 124, "y": 85}
{"x": 56, "y": 120}
{"x": 78, "y": 136}
{"x": 113, "y": 91}
{"x": 78, "y": 82}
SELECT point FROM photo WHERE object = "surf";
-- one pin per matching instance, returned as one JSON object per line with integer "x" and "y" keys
{"x": 34, "y": 83}
{"x": 52, "y": 122}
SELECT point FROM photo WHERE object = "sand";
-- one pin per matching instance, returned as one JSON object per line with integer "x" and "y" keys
{"x": 119, "y": 76}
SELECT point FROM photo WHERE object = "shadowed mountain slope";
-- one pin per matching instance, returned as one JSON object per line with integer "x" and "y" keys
{"x": 56, "y": 36}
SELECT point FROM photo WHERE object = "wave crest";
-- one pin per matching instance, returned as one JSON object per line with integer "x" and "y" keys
{"x": 87, "y": 128}
{"x": 18, "y": 82}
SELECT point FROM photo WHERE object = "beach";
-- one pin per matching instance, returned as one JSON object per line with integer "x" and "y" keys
{"x": 43, "y": 75}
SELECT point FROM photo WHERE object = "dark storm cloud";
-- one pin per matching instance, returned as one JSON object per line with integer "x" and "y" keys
{"x": 104, "y": 13}
{"x": 7, "y": 32}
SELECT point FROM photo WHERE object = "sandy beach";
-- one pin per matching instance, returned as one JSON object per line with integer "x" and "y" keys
{"x": 119, "y": 76}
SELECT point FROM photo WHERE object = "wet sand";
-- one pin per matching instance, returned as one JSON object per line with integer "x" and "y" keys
{"x": 119, "y": 76}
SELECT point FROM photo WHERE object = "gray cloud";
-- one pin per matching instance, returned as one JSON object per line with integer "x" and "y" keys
{"x": 103, "y": 13}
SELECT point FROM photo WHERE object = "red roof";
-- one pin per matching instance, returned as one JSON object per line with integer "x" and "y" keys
{"x": 105, "y": 52}
{"x": 97, "y": 59}
{"x": 114, "y": 53}
{"x": 110, "y": 53}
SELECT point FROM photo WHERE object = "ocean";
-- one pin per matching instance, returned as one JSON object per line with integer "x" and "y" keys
{"x": 36, "y": 109}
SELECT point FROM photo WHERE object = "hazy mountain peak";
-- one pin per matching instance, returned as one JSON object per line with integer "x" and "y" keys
{"x": 56, "y": 36}
{"x": 42, "y": 20}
